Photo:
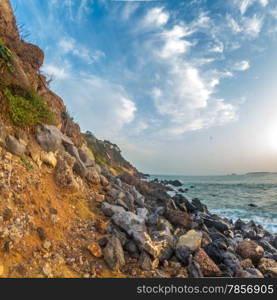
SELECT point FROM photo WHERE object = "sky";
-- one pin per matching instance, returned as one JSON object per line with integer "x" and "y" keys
{"x": 184, "y": 87}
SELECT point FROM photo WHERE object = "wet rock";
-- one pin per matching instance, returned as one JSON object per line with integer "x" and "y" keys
{"x": 183, "y": 254}
{"x": 274, "y": 242}
{"x": 249, "y": 249}
{"x": 239, "y": 224}
{"x": 192, "y": 239}
{"x": 207, "y": 266}
{"x": 178, "y": 217}
{"x": 113, "y": 254}
{"x": 129, "y": 222}
{"x": 95, "y": 249}
{"x": 218, "y": 224}
{"x": 176, "y": 182}
{"x": 109, "y": 210}
{"x": 252, "y": 205}
{"x": 184, "y": 204}
{"x": 268, "y": 267}
{"x": 199, "y": 205}
{"x": 146, "y": 263}
{"x": 15, "y": 146}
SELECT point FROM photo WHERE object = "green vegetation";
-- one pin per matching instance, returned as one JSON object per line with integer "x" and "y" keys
{"x": 26, "y": 163}
{"x": 28, "y": 110}
{"x": 6, "y": 55}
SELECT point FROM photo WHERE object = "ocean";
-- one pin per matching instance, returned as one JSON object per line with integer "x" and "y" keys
{"x": 229, "y": 196}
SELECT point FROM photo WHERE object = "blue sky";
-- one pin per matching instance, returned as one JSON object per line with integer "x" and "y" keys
{"x": 183, "y": 87}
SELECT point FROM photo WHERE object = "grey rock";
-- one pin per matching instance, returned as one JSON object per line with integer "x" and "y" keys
{"x": 109, "y": 210}
{"x": 15, "y": 146}
{"x": 142, "y": 213}
{"x": 129, "y": 222}
{"x": 113, "y": 254}
{"x": 50, "y": 138}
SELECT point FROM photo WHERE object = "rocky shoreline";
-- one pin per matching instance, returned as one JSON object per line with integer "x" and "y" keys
{"x": 175, "y": 237}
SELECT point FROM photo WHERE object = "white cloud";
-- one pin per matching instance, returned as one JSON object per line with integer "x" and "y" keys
{"x": 103, "y": 107}
{"x": 69, "y": 45}
{"x": 264, "y": 2}
{"x": 155, "y": 17}
{"x": 253, "y": 26}
{"x": 232, "y": 23}
{"x": 242, "y": 65}
{"x": 244, "y": 5}
{"x": 174, "y": 42}
{"x": 55, "y": 72}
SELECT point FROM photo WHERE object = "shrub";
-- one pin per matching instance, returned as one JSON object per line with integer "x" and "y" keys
{"x": 6, "y": 55}
{"x": 28, "y": 110}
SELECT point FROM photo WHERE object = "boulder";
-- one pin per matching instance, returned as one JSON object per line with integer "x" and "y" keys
{"x": 79, "y": 166}
{"x": 183, "y": 253}
{"x": 129, "y": 222}
{"x": 249, "y": 249}
{"x": 216, "y": 251}
{"x": 200, "y": 206}
{"x": 50, "y": 138}
{"x": 231, "y": 263}
{"x": 64, "y": 176}
{"x": 144, "y": 242}
{"x": 192, "y": 239}
{"x": 49, "y": 158}
{"x": 113, "y": 254}
{"x": 15, "y": 146}
{"x": 218, "y": 224}
{"x": 92, "y": 175}
{"x": 178, "y": 217}
{"x": 207, "y": 266}
{"x": 109, "y": 210}
{"x": 268, "y": 267}
{"x": 247, "y": 263}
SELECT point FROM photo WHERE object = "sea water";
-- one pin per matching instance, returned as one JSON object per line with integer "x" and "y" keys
{"x": 230, "y": 195}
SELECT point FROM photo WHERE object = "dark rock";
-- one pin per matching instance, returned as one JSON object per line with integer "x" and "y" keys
{"x": 239, "y": 224}
{"x": 200, "y": 206}
{"x": 184, "y": 203}
{"x": 215, "y": 251}
{"x": 103, "y": 242}
{"x": 194, "y": 270}
{"x": 131, "y": 247}
{"x": 175, "y": 183}
{"x": 218, "y": 224}
{"x": 183, "y": 254}
{"x": 231, "y": 263}
{"x": 252, "y": 205}
{"x": 41, "y": 233}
